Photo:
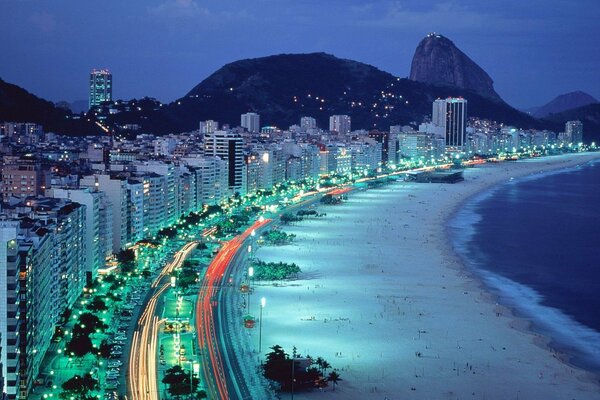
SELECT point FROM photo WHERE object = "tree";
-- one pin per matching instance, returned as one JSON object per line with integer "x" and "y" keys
{"x": 179, "y": 381}
{"x": 325, "y": 366}
{"x": 279, "y": 367}
{"x": 79, "y": 345}
{"x": 88, "y": 324}
{"x": 126, "y": 258}
{"x": 334, "y": 378}
{"x": 97, "y": 304}
{"x": 126, "y": 255}
{"x": 105, "y": 349}
{"x": 169, "y": 233}
{"x": 78, "y": 387}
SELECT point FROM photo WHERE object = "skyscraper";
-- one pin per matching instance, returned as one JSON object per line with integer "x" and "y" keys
{"x": 100, "y": 87}
{"x": 251, "y": 121}
{"x": 451, "y": 115}
{"x": 574, "y": 131}
{"x": 340, "y": 124}
{"x": 228, "y": 146}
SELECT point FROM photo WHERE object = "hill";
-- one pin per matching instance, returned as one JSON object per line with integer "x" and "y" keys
{"x": 18, "y": 105}
{"x": 438, "y": 61}
{"x": 589, "y": 115}
{"x": 283, "y": 88}
{"x": 564, "y": 102}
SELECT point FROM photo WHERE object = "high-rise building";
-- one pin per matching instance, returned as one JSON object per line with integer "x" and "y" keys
{"x": 340, "y": 124}
{"x": 308, "y": 123}
{"x": 21, "y": 179}
{"x": 208, "y": 126}
{"x": 100, "y": 87}
{"x": 117, "y": 196}
{"x": 574, "y": 131}
{"x": 251, "y": 121}
{"x": 229, "y": 147}
{"x": 451, "y": 115}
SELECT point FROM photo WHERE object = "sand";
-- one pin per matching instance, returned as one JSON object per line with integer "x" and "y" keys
{"x": 386, "y": 301}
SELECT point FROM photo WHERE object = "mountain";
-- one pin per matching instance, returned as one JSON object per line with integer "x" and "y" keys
{"x": 589, "y": 115}
{"x": 283, "y": 88}
{"x": 438, "y": 61}
{"x": 18, "y": 105}
{"x": 564, "y": 102}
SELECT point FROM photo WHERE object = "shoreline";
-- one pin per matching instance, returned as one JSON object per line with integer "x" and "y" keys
{"x": 422, "y": 298}
{"x": 541, "y": 336}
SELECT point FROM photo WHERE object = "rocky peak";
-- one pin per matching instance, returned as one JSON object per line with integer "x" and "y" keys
{"x": 438, "y": 61}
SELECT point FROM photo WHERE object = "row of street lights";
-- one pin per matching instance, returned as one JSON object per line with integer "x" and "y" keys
{"x": 263, "y": 301}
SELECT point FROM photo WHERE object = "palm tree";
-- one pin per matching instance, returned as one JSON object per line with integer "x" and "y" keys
{"x": 334, "y": 378}
{"x": 319, "y": 362}
{"x": 325, "y": 365}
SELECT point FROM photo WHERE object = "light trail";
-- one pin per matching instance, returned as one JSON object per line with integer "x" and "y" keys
{"x": 212, "y": 359}
{"x": 142, "y": 376}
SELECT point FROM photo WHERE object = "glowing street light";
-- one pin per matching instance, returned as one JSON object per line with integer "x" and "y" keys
{"x": 263, "y": 303}
{"x": 250, "y": 275}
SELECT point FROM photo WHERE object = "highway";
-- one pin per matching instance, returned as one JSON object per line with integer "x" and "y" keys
{"x": 142, "y": 376}
{"x": 222, "y": 381}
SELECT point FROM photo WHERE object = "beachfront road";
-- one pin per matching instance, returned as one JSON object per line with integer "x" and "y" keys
{"x": 221, "y": 374}
{"x": 142, "y": 376}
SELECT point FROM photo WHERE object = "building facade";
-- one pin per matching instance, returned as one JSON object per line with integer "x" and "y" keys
{"x": 451, "y": 115}
{"x": 100, "y": 87}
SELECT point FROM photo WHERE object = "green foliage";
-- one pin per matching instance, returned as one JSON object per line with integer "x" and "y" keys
{"x": 277, "y": 237}
{"x": 79, "y": 345}
{"x": 334, "y": 378}
{"x": 188, "y": 274}
{"x": 79, "y": 386}
{"x": 90, "y": 323}
{"x": 126, "y": 255}
{"x": 179, "y": 381}
{"x": 287, "y": 218}
{"x": 97, "y": 304}
{"x": 272, "y": 271}
{"x": 169, "y": 233}
{"x": 329, "y": 199}
{"x": 303, "y": 213}
{"x": 126, "y": 258}
{"x": 105, "y": 349}
{"x": 279, "y": 367}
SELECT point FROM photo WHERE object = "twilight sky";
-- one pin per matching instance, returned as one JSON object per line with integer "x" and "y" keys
{"x": 534, "y": 50}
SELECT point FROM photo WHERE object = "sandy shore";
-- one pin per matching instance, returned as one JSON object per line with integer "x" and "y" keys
{"x": 385, "y": 300}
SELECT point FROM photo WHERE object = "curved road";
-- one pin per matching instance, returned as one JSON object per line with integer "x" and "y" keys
{"x": 222, "y": 374}
{"x": 142, "y": 378}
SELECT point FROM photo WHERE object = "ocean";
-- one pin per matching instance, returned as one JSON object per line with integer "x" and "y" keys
{"x": 535, "y": 243}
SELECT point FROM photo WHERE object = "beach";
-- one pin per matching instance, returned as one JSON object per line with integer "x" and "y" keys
{"x": 385, "y": 300}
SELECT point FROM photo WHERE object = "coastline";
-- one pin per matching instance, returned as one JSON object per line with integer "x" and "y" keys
{"x": 546, "y": 336}
{"x": 411, "y": 310}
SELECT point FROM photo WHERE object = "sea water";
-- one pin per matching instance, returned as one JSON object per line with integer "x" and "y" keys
{"x": 535, "y": 242}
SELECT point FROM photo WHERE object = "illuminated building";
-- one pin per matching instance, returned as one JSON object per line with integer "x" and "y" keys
{"x": 307, "y": 123}
{"x": 100, "y": 87}
{"x": 574, "y": 131}
{"x": 115, "y": 188}
{"x": 97, "y": 229}
{"x": 340, "y": 124}
{"x": 451, "y": 115}
{"x": 22, "y": 179}
{"x": 251, "y": 121}
{"x": 229, "y": 147}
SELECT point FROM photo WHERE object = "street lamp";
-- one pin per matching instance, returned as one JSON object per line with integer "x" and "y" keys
{"x": 250, "y": 275}
{"x": 193, "y": 366}
{"x": 263, "y": 303}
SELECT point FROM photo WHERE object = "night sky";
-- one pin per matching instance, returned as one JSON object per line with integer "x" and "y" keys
{"x": 534, "y": 50}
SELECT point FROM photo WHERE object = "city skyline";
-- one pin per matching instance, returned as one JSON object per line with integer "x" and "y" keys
{"x": 527, "y": 49}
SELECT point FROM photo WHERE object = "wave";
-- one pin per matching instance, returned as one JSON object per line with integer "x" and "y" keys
{"x": 582, "y": 342}
{"x": 567, "y": 335}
